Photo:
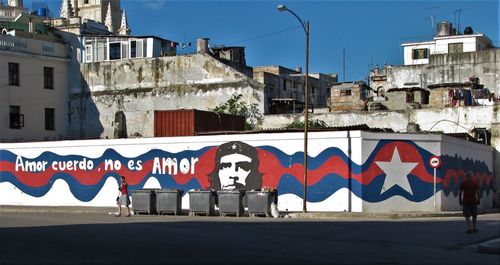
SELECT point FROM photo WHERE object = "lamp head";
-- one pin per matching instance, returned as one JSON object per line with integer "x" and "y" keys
{"x": 282, "y": 8}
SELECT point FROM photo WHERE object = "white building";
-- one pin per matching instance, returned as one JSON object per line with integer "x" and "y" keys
{"x": 108, "y": 48}
{"x": 33, "y": 79}
{"x": 445, "y": 41}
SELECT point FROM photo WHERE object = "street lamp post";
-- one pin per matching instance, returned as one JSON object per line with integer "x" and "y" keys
{"x": 305, "y": 26}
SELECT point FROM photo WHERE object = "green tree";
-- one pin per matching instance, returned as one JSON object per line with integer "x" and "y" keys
{"x": 236, "y": 106}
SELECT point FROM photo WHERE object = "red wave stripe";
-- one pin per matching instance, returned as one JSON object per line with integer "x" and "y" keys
{"x": 39, "y": 179}
{"x": 273, "y": 170}
{"x": 459, "y": 175}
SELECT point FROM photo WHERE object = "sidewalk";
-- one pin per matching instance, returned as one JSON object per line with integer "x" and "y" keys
{"x": 298, "y": 215}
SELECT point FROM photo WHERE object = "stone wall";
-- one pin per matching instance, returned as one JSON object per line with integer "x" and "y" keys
{"x": 450, "y": 68}
{"x": 138, "y": 87}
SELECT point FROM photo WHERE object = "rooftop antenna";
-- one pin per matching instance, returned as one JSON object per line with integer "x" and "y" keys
{"x": 185, "y": 44}
{"x": 457, "y": 14}
{"x": 432, "y": 17}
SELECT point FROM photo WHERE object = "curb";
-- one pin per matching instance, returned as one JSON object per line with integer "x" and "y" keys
{"x": 56, "y": 209}
{"x": 389, "y": 215}
{"x": 490, "y": 247}
{"x": 350, "y": 215}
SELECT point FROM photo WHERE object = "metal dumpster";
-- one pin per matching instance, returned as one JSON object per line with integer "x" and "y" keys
{"x": 259, "y": 202}
{"x": 168, "y": 201}
{"x": 144, "y": 201}
{"x": 201, "y": 202}
{"x": 231, "y": 202}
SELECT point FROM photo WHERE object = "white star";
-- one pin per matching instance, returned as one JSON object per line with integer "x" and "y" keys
{"x": 396, "y": 172}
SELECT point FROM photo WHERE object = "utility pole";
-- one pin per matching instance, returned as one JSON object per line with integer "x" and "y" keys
{"x": 343, "y": 64}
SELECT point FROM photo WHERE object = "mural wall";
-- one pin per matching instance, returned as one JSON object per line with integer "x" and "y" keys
{"x": 347, "y": 171}
{"x": 456, "y": 163}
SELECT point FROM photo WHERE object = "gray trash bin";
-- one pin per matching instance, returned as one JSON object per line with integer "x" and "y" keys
{"x": 259, "y": 202}
{"x": 201, "y": 202}
{"x": 231, "y": 202}
{"x": 168, "y": 201}
{"x": 144, "y": 201}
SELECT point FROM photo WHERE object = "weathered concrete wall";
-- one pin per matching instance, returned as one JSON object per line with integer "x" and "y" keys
{"x": 396, "y": 120}
{"x": 396, "y": 100}
{"x": 139, "y": 86}
{"x": 450, "y": 68}
{"x": 447, "y": 120}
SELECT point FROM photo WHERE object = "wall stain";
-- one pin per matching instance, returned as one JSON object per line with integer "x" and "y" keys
{"x": 140, "y": 77}
{"x": 157, "y": 68}
{"x": 107, "y": 76}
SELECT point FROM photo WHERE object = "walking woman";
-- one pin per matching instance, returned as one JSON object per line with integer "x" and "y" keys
{"x": 123, "y": 199}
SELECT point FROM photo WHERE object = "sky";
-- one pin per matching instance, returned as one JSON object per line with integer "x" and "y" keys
{"x": 369, "y": 32}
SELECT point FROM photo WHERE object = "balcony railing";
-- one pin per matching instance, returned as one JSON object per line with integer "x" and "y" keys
{"x": 39, "y": 47}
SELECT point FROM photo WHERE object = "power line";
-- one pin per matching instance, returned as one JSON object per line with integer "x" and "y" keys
{"x": 265, "y": 35}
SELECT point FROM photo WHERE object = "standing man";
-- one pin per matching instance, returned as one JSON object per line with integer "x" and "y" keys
{"x": 124, "y": 199}
{"x": 468, "y": 197}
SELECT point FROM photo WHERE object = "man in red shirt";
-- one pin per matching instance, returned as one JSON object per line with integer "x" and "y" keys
{"x": 469, "y": 198}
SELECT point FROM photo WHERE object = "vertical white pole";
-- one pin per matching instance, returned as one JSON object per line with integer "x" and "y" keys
{"x": 434, "y": 189}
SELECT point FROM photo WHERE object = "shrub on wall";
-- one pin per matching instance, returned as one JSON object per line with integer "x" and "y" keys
{"x": 312, "y": 124}
{"x": 235, "y": 106}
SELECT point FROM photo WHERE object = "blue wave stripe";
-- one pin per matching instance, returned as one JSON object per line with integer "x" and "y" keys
{"x": 331, "y": 183}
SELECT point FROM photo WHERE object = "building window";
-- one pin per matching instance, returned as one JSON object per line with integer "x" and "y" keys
{"x": 409, "y": 97}
{"x": 49, "y": 119}
{"x": 455, "y": 47}
{"x": 115, "y": 51}
{"x": 101, "y": 51}
{"x": 284, "y": 84}
{"x": 136, "y": 49}
{"x": 88, "y": 53}
{"x": 16, "y": 119}
{"x": 48, "y": 77}
{"x": 420, "y": 54}
{"x": 86, "y": 2}
{"x": 13, "y": 74}
{"x": 345, "y": 93}
{"x": 124, "y": 50}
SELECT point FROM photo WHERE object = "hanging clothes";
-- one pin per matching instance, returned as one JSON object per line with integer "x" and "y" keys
{"x": 452, "y": 98}
{"x": 468, "y": 98}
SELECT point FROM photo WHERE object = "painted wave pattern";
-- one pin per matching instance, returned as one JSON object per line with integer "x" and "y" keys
{"x": 455, "y": 167}
{"x": 328, "y": 172}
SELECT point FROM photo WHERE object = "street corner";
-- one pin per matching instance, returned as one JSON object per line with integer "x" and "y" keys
{"x": 491, "y": 246}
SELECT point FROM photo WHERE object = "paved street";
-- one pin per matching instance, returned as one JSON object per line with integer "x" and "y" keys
{"x": 69, "y": 238}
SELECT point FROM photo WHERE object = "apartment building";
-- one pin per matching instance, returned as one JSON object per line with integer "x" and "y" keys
{"x": 33, "y": 79}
